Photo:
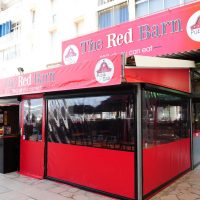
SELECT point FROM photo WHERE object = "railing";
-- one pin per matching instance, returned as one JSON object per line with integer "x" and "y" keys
{"x": 11, "y": 37}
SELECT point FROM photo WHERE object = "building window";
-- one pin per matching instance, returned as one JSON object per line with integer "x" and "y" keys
{"x": 102, "y": 2}
{"x": 53, "y": 36}
{"x": 16, "y": 27}
{"x": 79, "y": 26}
{"x": 53, "y": 18}
{"x": 113, "y": 15}
{"x": 33, "y": 16}
{"x": 10, "y": 53}
{"x": 146, "y": 7}
{"x": 5, "y": 28}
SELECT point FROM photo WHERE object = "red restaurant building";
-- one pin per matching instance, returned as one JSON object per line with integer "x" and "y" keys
{"x": 119, "y": 117}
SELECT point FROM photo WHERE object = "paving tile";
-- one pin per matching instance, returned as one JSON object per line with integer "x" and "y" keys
{"x": 58, "y": 189}
{"x": 12, "y": 195}
{"x": 44, "y": 186}
{"x": 81, "y": 197}
{"x": 169, "y": 197}
{"x": 12, "y": 175}
{"x": 4, "y": 189}
{"x": 194, "y": 190}
{"x": 67, "y": 194}
{"x": 73, "y": 190}
{"x": 188, "y": 196}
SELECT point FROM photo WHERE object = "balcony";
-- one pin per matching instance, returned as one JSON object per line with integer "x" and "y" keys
{"x": 10, "y": 38}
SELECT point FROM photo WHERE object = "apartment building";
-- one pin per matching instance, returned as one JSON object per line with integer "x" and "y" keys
{"x": 84, "y": 100}
{"x": 32, "y": 31}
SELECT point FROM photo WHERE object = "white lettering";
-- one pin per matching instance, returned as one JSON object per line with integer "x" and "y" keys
{"x": 117, "y": 40}
{"x": 24, "y": 81}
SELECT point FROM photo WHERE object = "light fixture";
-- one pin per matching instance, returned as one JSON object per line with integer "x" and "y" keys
{"x": 20, "y": 70}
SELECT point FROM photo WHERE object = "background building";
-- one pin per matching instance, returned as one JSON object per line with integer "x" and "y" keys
{"x": 31, "y": 31}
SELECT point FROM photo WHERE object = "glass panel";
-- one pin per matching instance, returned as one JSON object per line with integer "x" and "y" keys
{"x": 102, "y": 121}
{"x": 121, "y": 13}
{"x": 164, "y": 118}
{"x": 195, "y": 82}
{"x": 155, "y": 5}
{"x": 196, "y": 117}
{"x": 166, "y": 141}
{"x": 170, "y": 3}
{"x": 105, "y": 18}
{"x": 142, "y": 9}
{"x": 196, "y": 132}
{"x": 186, "y": 1}
{"x": 33, "y": 119}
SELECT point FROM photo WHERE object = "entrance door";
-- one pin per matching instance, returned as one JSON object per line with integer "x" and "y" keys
{"x": 32, "y": 137}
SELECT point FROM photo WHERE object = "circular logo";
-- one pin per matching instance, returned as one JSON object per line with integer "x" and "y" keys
{"x": 70, "y": 55}
{"x": 193, "y": 26}
{"x": 104, "y": 70}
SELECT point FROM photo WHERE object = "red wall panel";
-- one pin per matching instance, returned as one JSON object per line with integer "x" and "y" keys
{"x": 178, "y": 79}
{"x": 102, "y": 169}
{"x": 32, "y": 152}
{"x": 32, "y": 159}
{"x": 163, "y": 162}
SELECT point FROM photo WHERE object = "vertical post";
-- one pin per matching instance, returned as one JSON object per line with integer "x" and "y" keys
{"x": 139, "y": 143}
{"x": 191, "y": 75}
{"x": 123, "y": 56}
{"x": 191, "y": 135}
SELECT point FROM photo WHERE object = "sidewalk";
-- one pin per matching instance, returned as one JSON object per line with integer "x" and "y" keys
{"x": 17, "y": 187}
{"x": 185, "y": 188}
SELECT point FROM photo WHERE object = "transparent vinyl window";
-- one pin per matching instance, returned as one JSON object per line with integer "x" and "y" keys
{"x": 101, "y": 121}
{"x": 33, "y": 119}
{"x": 165, "y": 118}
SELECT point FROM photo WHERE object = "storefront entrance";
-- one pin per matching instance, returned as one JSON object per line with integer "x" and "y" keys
{"x": 9, "y": 135}
{"x": 166, "y": 137}
{"x": 32, "y": 137}
{"x": 91, "y": 141}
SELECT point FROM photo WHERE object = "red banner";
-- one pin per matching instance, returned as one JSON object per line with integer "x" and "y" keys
{"x": 177, "y": 79}
{"x": 172, "y": 31}
{"x": 93, "y": 73}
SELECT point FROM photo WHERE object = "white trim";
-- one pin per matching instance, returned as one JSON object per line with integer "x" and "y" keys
{"x": 157, "y": 62}
{"x": 110, "y": 4}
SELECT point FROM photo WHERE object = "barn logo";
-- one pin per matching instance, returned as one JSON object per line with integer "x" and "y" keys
{"x": 104, "y": 70}
{"x": 193, "y": 26}
{"x": 70, "y": 55}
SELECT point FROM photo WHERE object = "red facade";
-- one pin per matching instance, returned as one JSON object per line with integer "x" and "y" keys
{"x": 109, "y": 170}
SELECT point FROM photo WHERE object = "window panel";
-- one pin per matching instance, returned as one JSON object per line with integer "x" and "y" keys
{"x": 186, "y": 1}
{"x": 196, "y": 117}
{"x": 103, "y": 121}
{"x": 33, "y": 119}
{"x": 170, "y": 3}
{"x": 113, "y": 15}
{"x": 155, "y": 5}
{"x": 102, "y": 2}
{"x": 142, "y": 9}
{"x": 164, "y": 118}
{"x": 105, "y": 18}
{"x": 121, "y": 13}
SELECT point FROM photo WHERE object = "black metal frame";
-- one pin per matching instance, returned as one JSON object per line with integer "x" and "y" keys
{"x": 113, "y": 90}
{"x": 172, "y": 92}
{"x": 123, "y": 88}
